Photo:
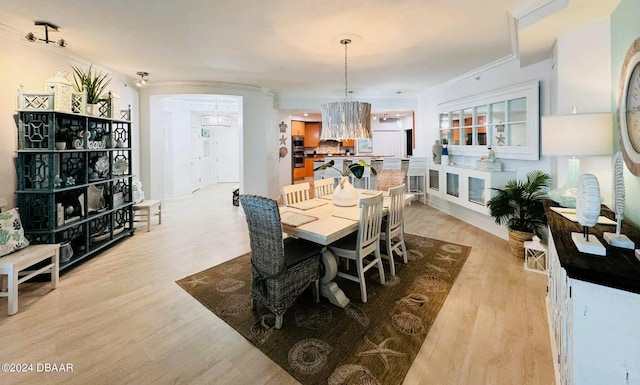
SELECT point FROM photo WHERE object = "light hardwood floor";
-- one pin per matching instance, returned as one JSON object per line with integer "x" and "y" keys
{"x": 120, "y": 318}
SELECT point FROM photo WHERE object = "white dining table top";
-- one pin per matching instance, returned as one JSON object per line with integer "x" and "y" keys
{"x": 332, "y": 223}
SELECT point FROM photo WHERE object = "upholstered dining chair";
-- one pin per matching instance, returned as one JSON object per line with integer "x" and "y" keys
{"x": 359, "y": 246}
{"x": 387, "y": 178}
{"x": 281, "y": 269}
{"x": 392, "y": 235}
{"x": 295, "y": 193}
{"x": 322, "y": 187}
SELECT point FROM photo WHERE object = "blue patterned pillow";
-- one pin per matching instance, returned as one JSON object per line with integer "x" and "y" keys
{"x": 11, "y": 233}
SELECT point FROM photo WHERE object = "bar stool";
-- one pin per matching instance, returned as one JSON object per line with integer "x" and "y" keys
{"x": 417, "y": 172}
{"x": 366, "y": 175}
{"x": 389, "y": 163}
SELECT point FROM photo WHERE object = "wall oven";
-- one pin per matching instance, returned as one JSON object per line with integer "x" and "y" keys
{"x": 298, "y": 151}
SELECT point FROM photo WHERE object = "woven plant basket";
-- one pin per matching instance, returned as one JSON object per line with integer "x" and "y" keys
{"x": 516, "y": 242}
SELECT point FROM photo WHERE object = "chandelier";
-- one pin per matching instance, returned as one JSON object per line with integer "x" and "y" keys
{"x": 217, "y": 119}
{"x": 345, "y": 120}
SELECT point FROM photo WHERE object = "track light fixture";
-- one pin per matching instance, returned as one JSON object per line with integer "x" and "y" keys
{"x": 144, "y": 79}
{"x": 47, "y": 27}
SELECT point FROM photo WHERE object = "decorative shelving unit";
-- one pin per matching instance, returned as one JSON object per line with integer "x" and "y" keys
{"x": 74, "y": 177}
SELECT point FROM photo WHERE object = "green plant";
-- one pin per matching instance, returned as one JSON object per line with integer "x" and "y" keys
{"x": 94, "y": 82}
{"x": 357, "y": 169}
{"x": 519, "y": 203}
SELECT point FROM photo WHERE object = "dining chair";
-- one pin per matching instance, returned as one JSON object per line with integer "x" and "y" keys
{"x": 323, "y": 187}
{"x": 390, "y": 178}
{"x": 392, "y": 235}
{"x": 417, "y": 172}
{"x": 390, "y": 163}
{"x": 281, "y": 269}
{"x": 295, "y": 193}
{"x": 366, "y": 174}
{"x": 359, "y": 246}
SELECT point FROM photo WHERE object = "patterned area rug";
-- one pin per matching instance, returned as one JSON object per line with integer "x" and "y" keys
{"x": 371, "y": 343}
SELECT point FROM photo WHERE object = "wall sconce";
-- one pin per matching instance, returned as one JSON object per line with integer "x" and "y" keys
{"x": 47, "y": 26}
{"x": 144, "y": 79}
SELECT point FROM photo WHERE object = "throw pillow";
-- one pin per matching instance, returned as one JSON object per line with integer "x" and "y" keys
{"x": 11, "y": 232}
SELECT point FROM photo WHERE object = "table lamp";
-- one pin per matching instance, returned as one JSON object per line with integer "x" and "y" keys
{"x": 575, "y": 135}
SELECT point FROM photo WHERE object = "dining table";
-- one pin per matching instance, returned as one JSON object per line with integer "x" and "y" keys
{"x": 320, "y": 221}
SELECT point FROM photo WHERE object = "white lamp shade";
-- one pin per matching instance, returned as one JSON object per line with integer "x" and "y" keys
{"x": 577, "y": 134}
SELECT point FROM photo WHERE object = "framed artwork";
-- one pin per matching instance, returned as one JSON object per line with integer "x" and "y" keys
{"x": 365, "y": 145}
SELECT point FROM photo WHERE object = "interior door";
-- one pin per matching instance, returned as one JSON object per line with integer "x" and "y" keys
{"x": 227, "y": 152}
{"x": 196, "y": 159}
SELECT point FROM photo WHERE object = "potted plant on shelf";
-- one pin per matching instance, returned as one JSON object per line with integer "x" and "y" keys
{"x": 345, "y": 194}
{"x": 519, "y": 206}
{"x": 91, "y": 81}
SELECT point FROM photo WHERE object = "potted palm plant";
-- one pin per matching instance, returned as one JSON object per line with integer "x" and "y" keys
{"x": 91, "y": 81}
{"x": 345, "y": 194}
{"x": 519, "y": 206}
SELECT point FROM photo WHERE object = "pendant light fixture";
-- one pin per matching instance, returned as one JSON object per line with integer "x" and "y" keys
{"x": 48, "y": 27}
{"x": 345, "y": 120}
{"x": 216, "y": 120}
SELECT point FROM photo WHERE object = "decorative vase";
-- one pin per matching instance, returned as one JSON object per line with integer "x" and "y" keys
{"x": 437, "y": 152}
{"x": 61, "y": 145}
{"x": 516, "y": 242}
{"x": 345, "y": 194}
{"x": 444, "y": 159}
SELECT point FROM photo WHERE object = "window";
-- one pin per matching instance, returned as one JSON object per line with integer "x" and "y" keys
{"x": 507, "y": 119}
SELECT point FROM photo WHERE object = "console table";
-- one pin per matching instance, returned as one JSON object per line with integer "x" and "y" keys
{"x": 593, "y": 306}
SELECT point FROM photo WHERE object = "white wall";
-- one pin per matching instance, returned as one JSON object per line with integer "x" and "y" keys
{"x": 30, "y": 65}
{"x": 584, "y": 81}
{"x": 427, "y": 116}
{"x": 576, "y": 76}
{"x": 257, "y": 122}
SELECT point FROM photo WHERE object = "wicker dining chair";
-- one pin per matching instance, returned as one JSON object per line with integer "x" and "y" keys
{"x": 323, "y": 187}
{"x": 281, "y": 269}
{"x": 392, "y": 235}
{"x": 387, "y": 178}
{"x": 360, "y": 245}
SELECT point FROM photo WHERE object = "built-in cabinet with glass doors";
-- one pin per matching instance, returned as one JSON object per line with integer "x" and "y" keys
{"x": 508, "y": 120}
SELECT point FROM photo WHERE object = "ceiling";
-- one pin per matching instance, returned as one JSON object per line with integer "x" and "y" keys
{"x": 292, "y": 47}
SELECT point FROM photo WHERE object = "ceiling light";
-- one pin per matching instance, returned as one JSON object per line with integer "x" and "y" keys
{"x": 47, "y": 27}
{"x": 217, "y": 119}
{"x": 345, "y": 120}
{"x": 144, "y": 79}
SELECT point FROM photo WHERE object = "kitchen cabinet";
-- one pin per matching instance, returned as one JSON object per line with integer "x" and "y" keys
{"x": 308, "y": 167}
{"x": 312, "y": 134}
{"x": 297, "y": 128}
{"x": 299, "y": 173}
{"x": 593, "y": 308}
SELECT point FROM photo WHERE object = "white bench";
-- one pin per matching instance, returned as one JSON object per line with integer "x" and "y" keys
{"x": 146, "y": 209}
{"x": 13, "y": 266}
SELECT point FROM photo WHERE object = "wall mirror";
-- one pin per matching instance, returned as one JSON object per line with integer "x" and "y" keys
{"x": 507, "y": 119}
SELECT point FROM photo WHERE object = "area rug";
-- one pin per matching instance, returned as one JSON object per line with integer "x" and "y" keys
{"x": 369, "y": 343}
